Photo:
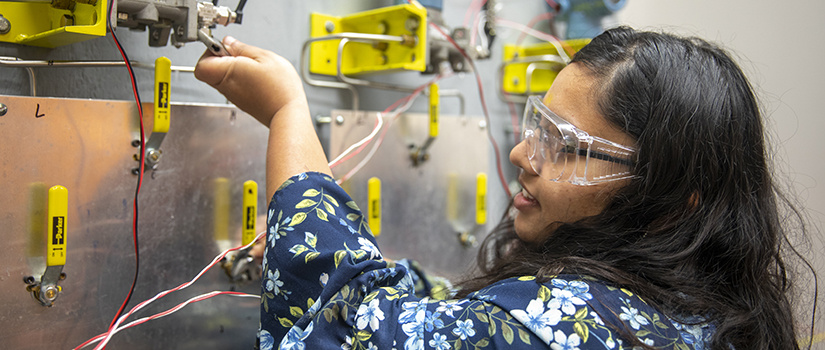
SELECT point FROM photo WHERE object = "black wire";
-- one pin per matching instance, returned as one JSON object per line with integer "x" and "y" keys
{"x": 140, "y": 173}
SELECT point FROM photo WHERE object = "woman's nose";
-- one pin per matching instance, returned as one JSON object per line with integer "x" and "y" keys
{"x": 518, "y": 156}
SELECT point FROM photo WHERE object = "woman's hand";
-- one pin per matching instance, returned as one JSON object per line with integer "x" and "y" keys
{"x": 258, "y": 81}
{"x": 267, "y": 87}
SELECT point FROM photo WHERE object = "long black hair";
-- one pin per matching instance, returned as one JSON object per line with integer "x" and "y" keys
{"x": 699, "y": 231}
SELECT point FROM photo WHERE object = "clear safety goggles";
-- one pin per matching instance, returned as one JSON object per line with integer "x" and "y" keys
{"x": 559, "y": 151}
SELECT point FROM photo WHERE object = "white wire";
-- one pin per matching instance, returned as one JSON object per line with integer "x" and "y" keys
{"x": 122, "y": 318}
{"x": 359, "y": 143}
{"x": 537, "y": 34}
{"x": 375, "y": 146}
{"x": 173, "y": 310}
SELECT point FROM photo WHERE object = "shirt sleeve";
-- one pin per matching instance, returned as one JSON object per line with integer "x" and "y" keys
{"x": 327, "y": 286}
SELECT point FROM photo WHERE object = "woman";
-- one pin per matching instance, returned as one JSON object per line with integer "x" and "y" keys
{"x": 647, "y": 217}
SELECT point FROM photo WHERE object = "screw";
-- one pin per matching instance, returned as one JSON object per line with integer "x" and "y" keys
{"x": 329, "y": 26}
{"x": 515, "y": 81}
{"x": 482, "y": 125}
{"x": 3, "y": 109}
{"x": 412, "y": 24}
{"x": 50, "y": 293}
{"x": 28, "y": 279}
{"x": 5, "y": 25}
{"x": 135, "y": 143}
{"x": 339, "y": 119}
{"x": 179, "y": 31}
{"x": 136, "y": 171}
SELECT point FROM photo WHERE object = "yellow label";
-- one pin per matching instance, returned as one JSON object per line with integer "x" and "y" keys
{"x": 374, "y": 205}
{"x": 56, "y": 240}
{"x": 481, "y": 198}
{"x": 250, "y": 210}
{"x": 163, "y": 77}
{"x": 434, "y": 110}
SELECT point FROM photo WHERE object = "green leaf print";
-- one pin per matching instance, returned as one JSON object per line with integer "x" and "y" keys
{"x": 297, "y": 219}
{"x": 306, "y": 203}
{"x": 311, "y": 192}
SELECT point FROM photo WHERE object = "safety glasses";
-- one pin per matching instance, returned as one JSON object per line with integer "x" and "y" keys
{"x": 558, "y": 151}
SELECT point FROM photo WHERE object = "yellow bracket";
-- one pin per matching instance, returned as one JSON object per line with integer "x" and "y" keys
{"x": 407, "y": 20}
{"x": 531, "y": 69}
{"x": 41, "y": 24}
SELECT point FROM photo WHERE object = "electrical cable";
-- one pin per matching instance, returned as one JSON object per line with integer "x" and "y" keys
{"x": 168, "y": 312}
{"x": 533, "y": 22}
{"x": 378, "y": 143}
{"x": 475, "y": 6}
{"x": 560, "y": 47}
{"x": 141, "y": 166}
{"x": 483, "y": 107}
{"x": 143, "y": 304}
{"x": 409, "y": 99}
{"x": 338, "y": 160}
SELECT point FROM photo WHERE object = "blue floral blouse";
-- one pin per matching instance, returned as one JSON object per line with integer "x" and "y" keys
{"x": 327, "y": 286}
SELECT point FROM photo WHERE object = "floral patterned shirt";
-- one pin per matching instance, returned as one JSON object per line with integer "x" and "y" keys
{"x": 327, "y": 286}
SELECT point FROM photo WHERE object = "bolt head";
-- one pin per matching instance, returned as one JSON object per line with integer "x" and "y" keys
{"x": 329, "y": 26}
{"x": 3, "y": 109}
{"x": 339, "y": 119}
{"x": 5, "y": 25}
{"x": 50, "y": 293}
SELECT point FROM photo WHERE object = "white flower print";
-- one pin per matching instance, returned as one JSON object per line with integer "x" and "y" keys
{"x": 411, "y": 310}
{"x": 632, "y": 315}
{"x": 273, "y": 284}
{"x": 647, "y": 341}
{"x": 563, "y": 342}
{"x": 369, "y": 315}
{"x": 294, "y": 339}
{"x": 415, "y": 330}
{"x": 464, "y": 329}
{"x": 538, "y": 320}
{"x": 371, "y": 347}
{"x": 368, "y": 247}
{"x": 597, "y": 318}
{"x": 448, "y": 307}
{"x": 324, "y": 279}
{"x": 439, "y": 342}
{"x": 266, "y": 340}
{"x": 347, "y": 345}
{"x": 565, "y": 300}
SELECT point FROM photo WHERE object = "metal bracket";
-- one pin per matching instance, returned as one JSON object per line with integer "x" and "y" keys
{"x": 46, "y": 290}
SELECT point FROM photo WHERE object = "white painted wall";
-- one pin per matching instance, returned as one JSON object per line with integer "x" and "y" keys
{"x": 780, "y": 46}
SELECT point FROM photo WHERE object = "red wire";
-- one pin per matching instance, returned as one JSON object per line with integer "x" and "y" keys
{"x": 140, "y": 173}
{"x": 483, "y": 107}
{"x": 533, "y": 21}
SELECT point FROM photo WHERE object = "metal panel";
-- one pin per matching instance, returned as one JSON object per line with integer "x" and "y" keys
{"x": 85, "y": 145}
{"x": 415, "y": 221}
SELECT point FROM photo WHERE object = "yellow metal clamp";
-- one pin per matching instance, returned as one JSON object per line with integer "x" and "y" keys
{"x": 56, "y": 241}
{"x": 419, "y": 155}
{"x": 163, "y": 77}
{"x": 250, "y": 211}
{"x": 47, "y": 290}
{"x": 374, "y": 205}
{"x": 407, "y": 22}
{"x": 481, "y": 198}
{"x": 530, "y": 69}
{"x": 52, "y": 24}
{"x": 162, "y": 111}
